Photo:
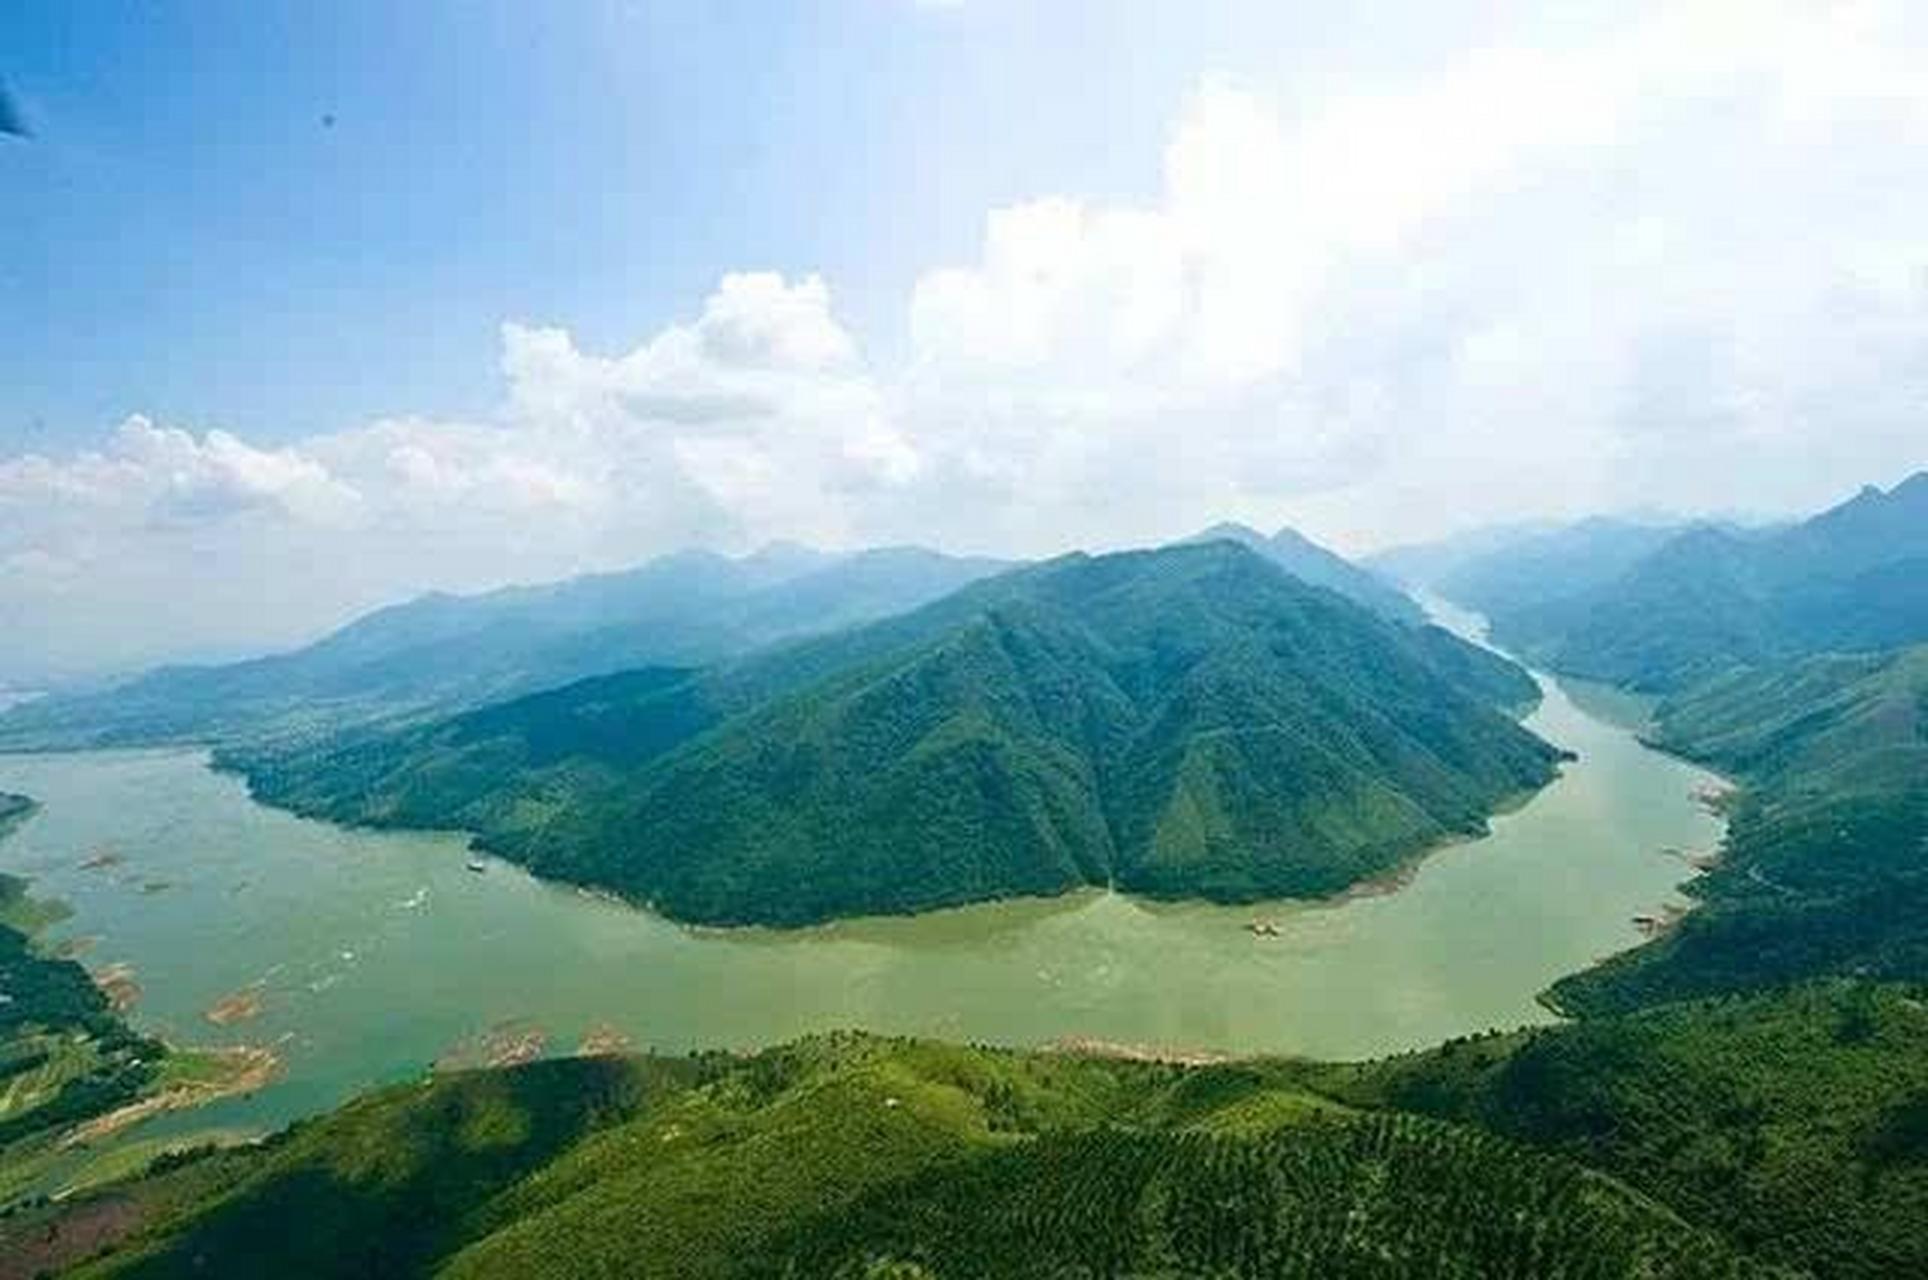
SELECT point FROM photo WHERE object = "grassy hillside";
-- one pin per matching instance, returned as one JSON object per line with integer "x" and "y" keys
{"x": 851, "y": 1155}
{"x": 1795, "y": 1124}
{"x": 1825, "y": 866}
{"x": 442, "y": 652}
{"x": 1854, "y": 578}
{"x": 1183, "y": 722}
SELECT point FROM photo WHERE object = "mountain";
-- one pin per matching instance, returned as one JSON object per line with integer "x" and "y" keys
{"x": 441, "y": 652}
{"x": 1425, "y": 564}
{"x": 1309, "y": 562}
{"x": 855, "y": 1156}
{"x": 1531, "y": 565}
{"x": 1824, "y": 871}
{"x": 1851, "y": 579}
{"x": 1183, "y": 722}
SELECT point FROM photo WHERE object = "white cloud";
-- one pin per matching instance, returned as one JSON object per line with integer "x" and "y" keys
{"x": 754, "y": 420}
{"x": 1682, "y": 264}
{"x": 1543, "y": 279}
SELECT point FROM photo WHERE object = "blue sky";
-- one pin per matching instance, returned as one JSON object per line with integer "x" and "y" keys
{"x": 565, "y": 286}
{"x": 193, "y": 243}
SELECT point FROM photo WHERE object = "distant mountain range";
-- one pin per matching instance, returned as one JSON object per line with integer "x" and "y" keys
{"x": 1853, "y": 578}
{"x": 1190, "y": 721}
{"x": 1500, "y": 571}
{"x": 1658, "y": 607}
{"x": 442, "y": 652}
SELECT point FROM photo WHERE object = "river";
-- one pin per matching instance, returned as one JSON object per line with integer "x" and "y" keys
{"x": 374, "y": 954}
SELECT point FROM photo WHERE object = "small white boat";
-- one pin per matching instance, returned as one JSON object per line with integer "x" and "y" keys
{"x": 477, "y": 865}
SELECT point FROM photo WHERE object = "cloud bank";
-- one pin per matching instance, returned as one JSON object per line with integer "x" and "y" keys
{"x": 1683, "y": 265}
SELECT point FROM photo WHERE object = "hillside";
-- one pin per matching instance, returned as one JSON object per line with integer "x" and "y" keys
{"x": 848, "y": 1155}
{"x": 442, "y": 652}
{"x": 1825, "y": 867}
{"x": 1794, "y": 1123}
{"x": 1183, "y": 722}
{"x": 1854, "y": 578}
{"x": 1309, "y": 562}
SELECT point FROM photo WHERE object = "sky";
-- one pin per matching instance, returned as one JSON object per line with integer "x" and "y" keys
{"x": 310, "y": 308}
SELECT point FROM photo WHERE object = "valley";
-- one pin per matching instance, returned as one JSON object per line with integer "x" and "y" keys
{"x": 374, "y": 954}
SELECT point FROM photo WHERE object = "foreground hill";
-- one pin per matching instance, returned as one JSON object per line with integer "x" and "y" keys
{"x": 1794, "y": 1123}
{"x": 443, "y": 652}
{"x": 1854, "y": 578}
{"x": 854, "y": 1156}
{"x": 1182, "y": 722}
{"x": 1825, "y": 866}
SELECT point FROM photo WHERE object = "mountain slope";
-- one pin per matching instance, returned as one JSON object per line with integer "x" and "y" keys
{"x": 1309, "y": 562}
{"x": 1853, "y": 578}
{"x": 1791, "y": 1122}
{"x": 1189, "y": 721}
{"x": 848, "y": 1155}
{"x": 1825, "y": 867}
{"x": 441, "y": 652}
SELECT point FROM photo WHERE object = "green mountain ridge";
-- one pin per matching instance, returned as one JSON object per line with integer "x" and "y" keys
{"x": 1824, "y": 871}
{"x": 1183, "y": 722}
{"x": 1853, "y": 578}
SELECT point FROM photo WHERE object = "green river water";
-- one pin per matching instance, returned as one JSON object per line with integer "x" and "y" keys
{"x": 375, "y": 953}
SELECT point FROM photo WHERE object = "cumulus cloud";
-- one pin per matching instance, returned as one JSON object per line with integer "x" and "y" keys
{"x": 1541, "y": 280}
{"x": 754, "y": 420}
{"x": 1680, "y": 264}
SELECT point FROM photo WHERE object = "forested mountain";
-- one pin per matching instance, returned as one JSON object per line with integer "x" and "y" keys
{"x": 1825, "y": 866}
{"x": 1853, "y": 578}
{"x": 1183, "y": 722}
{"x": 442, "y": 652}
{"x": 1309, "y": 562}
{"x": 852, "y": 1156}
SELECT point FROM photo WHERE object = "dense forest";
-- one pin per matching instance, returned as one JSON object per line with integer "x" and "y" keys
{"x": 1183, "y": 722}
{"x": 1825, "y": 866}
{"x": 853, "y": 1155}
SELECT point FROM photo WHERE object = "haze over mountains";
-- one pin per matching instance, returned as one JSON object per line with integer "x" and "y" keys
{"x": 443, "y": 651}
{"x": 1658, "y": 608}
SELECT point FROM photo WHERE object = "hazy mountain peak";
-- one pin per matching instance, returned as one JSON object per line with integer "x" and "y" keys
{"x": 1309, "y": 562}
{"x": 1231, "y": 531}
